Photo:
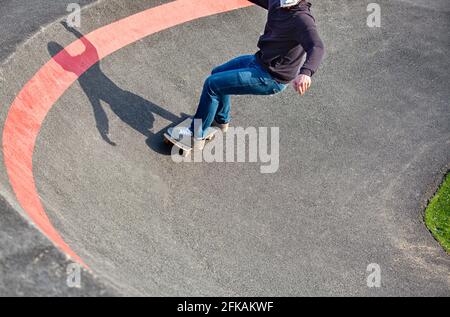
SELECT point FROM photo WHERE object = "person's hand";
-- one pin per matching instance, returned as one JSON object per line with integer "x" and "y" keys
{"x": 302, "y": 83}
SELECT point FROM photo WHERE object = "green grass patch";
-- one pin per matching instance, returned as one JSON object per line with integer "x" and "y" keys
{"x": 437, "y": 215}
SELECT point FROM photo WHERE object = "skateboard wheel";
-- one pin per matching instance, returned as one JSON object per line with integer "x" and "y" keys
{"x": 210, "y": 138}
{"x": 184, "y": 153}
{"x": 167, "y": 142}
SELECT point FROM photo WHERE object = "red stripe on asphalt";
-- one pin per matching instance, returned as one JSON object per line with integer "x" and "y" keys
{"x": 38, "y": 96}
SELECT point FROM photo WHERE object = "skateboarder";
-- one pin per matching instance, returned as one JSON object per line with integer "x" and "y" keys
{"x": 290, "y": 33}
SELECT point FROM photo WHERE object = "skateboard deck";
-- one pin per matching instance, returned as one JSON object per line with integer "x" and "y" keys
{"x": 185, "y": 144}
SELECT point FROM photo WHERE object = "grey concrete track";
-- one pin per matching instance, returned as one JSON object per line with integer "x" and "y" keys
{"x": 359, "y": 155}
{"x": 21, "y": 19}
{"x": 29, "y": 264}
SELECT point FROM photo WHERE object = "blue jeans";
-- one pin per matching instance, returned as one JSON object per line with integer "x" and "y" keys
{"x": 240, "y": 76}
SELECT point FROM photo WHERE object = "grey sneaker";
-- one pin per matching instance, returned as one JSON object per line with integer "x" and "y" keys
{"x": 179, "y": 133}
{"x": 222, "y": 126}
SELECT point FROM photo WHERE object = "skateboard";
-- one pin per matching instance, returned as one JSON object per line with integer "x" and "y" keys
{"x": 185, "y": 145}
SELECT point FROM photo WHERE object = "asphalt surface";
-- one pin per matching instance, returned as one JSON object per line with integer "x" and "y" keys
{"x": 29, "y": 264}
{"x": 359, "y": 157}
{"x": 21, "y": 19}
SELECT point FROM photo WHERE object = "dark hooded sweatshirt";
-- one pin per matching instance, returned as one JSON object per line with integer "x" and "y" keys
{"x": 289, "y": 35}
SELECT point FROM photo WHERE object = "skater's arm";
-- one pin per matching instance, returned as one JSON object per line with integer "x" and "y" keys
{"x": 309, "y": 39}
{"x": 262, "y": 3}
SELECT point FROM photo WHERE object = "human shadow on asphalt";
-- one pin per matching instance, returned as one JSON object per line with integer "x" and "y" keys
{"x": 132, "y": 109}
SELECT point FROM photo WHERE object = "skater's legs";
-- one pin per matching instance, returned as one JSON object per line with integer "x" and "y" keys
{"x": 252, "y": 80}
{"x": 224, "y": 107}
{"x": 239, "y": 62}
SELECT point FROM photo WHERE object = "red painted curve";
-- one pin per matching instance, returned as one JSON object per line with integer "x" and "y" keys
{"x": 31, "y": 106}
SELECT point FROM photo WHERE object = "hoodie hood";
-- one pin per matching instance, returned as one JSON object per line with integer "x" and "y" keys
{"x": 302, "y": 6}
{"x": 289, "y": 3}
